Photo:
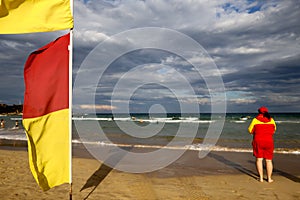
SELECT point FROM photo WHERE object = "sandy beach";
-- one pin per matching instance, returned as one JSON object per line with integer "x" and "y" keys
{"x": 220, "y": 175}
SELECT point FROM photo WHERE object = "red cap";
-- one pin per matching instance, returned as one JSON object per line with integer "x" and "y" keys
{"x": 263, "y": 110}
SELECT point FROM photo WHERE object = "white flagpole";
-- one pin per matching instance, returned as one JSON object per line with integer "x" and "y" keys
{"x": 70, "y": 107}
{"x": 70, "y": 99}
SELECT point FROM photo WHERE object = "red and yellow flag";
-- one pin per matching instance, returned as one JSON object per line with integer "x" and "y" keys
{"x": 46, "y": 113}
{"x": 28, "y": 16}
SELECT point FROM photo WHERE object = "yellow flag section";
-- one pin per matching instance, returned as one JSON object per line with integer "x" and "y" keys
{"x": 27, "y": 16}
{"x": 46, "y": 113}
{"x": 48, "y": 148}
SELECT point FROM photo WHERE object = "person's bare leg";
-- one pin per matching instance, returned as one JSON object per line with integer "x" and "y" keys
{"x": 259, "y": 167}
{"x": 269, "y": 166}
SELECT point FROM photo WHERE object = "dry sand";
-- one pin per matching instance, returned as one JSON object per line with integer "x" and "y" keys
{"x": 217, "y": 176}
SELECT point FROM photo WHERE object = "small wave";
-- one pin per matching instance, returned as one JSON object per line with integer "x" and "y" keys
{"x": 193, "y": 147}
{"x": 287, "y": 151}
{"x": 238, "y": 121}
{"x": 288, "y": 121}
{"x": 13, "y": 137}
{"x": 201, "y": 147}
{"x": 91, "y": 119}
{"x": 152, "y": 120}
{"x": 16, "y": 118}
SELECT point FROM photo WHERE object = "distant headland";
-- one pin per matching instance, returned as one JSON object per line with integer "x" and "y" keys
{"x": 11, "y": 109}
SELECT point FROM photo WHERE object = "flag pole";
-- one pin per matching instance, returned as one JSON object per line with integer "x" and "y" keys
{"x": 70, "y": 107}
{"x": 70, "y": 98}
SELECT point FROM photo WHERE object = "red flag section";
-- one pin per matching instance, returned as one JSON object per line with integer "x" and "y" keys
{"x": 46, "y": 79}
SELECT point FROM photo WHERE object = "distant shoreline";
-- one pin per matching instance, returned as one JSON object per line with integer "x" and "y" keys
{"x": 7, "y": 110}
{"x": 10, "y": 114}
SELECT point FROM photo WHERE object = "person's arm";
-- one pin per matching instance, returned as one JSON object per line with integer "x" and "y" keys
{"x": 273, "y": 122}
{"x": 251, "y": 126}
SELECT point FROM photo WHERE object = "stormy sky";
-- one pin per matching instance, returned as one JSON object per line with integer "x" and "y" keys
{"x": 140, "y": 56}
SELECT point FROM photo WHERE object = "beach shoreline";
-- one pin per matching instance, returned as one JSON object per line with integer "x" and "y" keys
{"x": 219, "y": 175}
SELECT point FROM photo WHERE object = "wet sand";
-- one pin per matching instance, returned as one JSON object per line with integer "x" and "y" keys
{"x": 220, "y": 175}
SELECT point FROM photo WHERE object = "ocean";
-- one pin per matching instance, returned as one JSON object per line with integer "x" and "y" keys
{"x": 172, "y": 130}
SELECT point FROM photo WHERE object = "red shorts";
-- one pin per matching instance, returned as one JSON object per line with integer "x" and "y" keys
{"x": 263, "y": 149}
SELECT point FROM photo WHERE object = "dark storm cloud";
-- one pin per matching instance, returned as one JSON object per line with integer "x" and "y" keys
{"x": 14, "y": 50}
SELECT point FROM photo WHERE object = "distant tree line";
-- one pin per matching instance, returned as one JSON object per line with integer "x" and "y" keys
{"x": 11, "y": 109}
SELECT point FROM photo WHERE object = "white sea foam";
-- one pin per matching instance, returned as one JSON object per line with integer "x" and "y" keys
{"x": 193, "y": 147}
{"x": 238, "y": 121}
{"x": 151, "y": 120}
{"x": 16, "y": 118}
{"x": 12, "y": 135}
{"x": 288, "y": 121}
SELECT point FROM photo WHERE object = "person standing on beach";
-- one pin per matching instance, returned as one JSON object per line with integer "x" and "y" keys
{"x": 263, "y": 128}
{"x": 2, "y": 123}
{"x": 16, "y": 124}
